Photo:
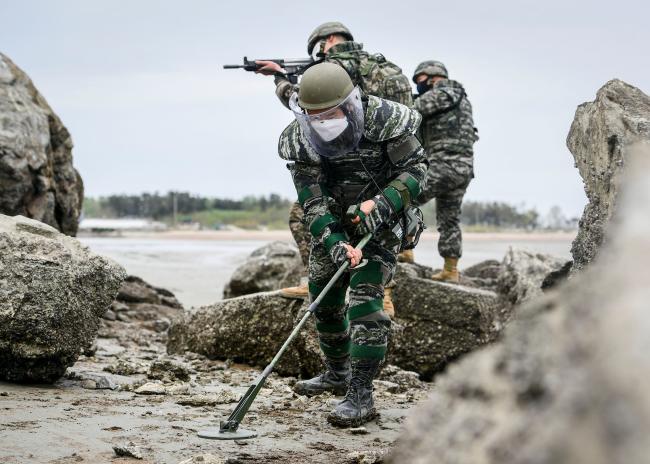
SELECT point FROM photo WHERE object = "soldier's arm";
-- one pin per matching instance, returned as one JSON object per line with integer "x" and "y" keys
{"x": 437, "y": 100}
{"x": 317, "y": 203}
{"x": 409, "y": 167}
{"x": 284, "y": 89}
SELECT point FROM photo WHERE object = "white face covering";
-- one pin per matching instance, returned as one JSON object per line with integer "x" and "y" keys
{"x": 329, "y": 129}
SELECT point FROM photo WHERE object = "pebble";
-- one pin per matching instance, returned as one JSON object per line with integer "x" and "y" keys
{"x": 89, "y": 384}
{"x": 130, "y": 451}
{"x": 151, "y": 388}
{"x": 358, "y": 431}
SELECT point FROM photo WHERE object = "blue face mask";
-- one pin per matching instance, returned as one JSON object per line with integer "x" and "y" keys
{"x": 423, "y": 87}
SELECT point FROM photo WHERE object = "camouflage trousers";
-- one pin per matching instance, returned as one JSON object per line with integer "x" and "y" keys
{"x": 447, "y": 182}
{"x": 300, "y": 232}
{"x": 361, "y": 328}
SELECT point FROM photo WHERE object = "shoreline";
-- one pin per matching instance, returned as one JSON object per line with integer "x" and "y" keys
{"x": 284, "y": 235}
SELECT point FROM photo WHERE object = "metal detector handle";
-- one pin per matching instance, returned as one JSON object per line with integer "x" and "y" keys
{"x": 245, "y": 403}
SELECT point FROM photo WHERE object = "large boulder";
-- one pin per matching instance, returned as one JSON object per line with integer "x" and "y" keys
{"x": 568, "y": 381}
{"x": 37, "y": 179}
{"x": 53, "y": 291}
{"x": 599, "y": 136}
{"x": 270, "y": 267}
{"x": 435, "y": 323}
{"x": 248, "y": 329}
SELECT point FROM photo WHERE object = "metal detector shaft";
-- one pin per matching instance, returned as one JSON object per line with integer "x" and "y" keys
{"x": 244, "y": 404}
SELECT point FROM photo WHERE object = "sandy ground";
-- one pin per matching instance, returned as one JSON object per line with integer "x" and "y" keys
{"x": 196, "y": 265}
{"x": 71, "y": 422}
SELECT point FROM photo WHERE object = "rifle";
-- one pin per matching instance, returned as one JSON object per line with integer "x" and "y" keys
{"x": 292, "y": 68}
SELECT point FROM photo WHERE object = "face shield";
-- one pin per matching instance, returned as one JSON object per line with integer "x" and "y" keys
{"x": 336, "y": 131}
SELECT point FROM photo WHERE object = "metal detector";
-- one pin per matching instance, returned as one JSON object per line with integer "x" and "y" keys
{"x": 229, "y": 429}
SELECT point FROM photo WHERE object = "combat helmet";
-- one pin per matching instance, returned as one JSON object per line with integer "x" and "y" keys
{"x": 326, "y": 29}
{"x": 431, "y": 68}
{"x": 324, "y": 85}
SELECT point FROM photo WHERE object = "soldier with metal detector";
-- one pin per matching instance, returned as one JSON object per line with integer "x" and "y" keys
{"x": 357, "y": 167}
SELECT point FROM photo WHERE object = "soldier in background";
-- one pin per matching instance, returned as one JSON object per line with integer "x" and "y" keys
{"x": 374, "y": 74}
{"x": 448, "y": 135}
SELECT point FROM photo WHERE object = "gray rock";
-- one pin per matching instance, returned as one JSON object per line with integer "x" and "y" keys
{"x": 37, "y": 179}
{"x": 435, "y": 323}
{"x": 169, "y": 370}
{"x": 522, "y": 273}
{"x": 128, "y": 450}
{"x": 151, "y": 388}
{"x": 246, "y": 329}
{"x": 53, "y": 292}
{"x": 568, "y": 381}
{"x": 599, "y": 136}
{"x": 268, "y": 268}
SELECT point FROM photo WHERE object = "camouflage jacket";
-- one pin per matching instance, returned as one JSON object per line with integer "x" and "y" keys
{"x": 447, "y": 124}
{"x": 326, "y": 187}
{"x": 372, "y": 73}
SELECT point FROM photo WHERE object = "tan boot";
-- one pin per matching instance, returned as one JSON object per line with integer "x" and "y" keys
{"x": 299, "y": 292}
{"x": 389, "y": 308}
{"x": 449, "y": 272}
{"x": 406, "y": 256}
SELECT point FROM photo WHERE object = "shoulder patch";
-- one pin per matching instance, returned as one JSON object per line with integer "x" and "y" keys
{"x": 386, "y": 120}
{"x": 292, "y": 146}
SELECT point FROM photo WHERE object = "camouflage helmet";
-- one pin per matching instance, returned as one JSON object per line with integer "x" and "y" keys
{"x": 326, "y": 29}
{"x": 430, "y": 68}
{"x": 324, "y": 85}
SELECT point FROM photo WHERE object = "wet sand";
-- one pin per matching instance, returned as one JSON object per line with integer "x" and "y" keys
{"x": 66, "y": 423}
{"x": 195, "y": 265}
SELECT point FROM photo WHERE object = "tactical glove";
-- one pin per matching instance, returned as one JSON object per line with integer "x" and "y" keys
{"x": 372, "y": 221}
{"x": 338, "y": 253}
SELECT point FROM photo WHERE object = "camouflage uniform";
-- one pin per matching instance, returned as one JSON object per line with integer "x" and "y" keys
{"x": 448, "y": 135}
{"x": 326, "y": 188}
{"x": 366, "y": 71}
{"x": 300, "y": 233}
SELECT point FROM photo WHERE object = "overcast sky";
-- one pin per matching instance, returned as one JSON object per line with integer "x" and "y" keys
{"x": 139, "y": 84}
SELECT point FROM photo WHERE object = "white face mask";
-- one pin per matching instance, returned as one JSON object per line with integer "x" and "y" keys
{"x": 329, "y": 129}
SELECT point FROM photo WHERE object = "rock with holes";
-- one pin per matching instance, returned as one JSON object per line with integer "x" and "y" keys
{"x": 53, "y": 292}
{"x": 599, "y": 136}
{"x": 37, "y": 179}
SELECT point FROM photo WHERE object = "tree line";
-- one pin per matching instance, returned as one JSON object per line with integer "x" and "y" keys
{"x": 157, "y": 206}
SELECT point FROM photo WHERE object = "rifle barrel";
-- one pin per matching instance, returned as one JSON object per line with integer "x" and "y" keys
{"x": 232, "y": 66}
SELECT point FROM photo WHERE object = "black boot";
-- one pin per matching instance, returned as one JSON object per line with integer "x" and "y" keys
{"x": 333, "y": 380}
{"x": 358, "y": 406}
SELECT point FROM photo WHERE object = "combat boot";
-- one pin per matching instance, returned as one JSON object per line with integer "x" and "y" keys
{"x": 358, "y": 406}
{"x": 449, "y": 272}
{"x": 406, "y": 256}
{"x": 299, "y": 292}
{"x": 334, "y": 379}
{"x": 389, "y": 308}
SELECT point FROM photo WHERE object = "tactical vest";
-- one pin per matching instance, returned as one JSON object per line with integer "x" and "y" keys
{"x": 373, "y": 73}
{"x": 450, "y": 130}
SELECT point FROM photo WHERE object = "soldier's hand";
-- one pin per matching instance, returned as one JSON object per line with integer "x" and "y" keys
{"x": 268, "y": 68}
{"x": 353, "y": 254}
{"x": 366, "y": 207}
